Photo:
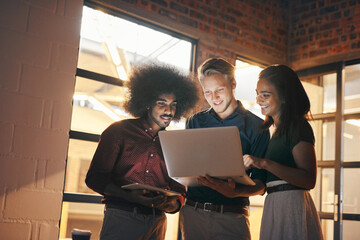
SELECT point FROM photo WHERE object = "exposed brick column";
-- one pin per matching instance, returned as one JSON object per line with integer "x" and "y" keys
{"x": 38, "y": 57}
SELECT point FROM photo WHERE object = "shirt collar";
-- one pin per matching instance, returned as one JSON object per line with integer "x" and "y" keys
{"x": 147, "y": 127}
{"x": 239, "y": 110}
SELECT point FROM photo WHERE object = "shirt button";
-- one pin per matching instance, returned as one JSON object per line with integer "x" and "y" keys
{"x": 154, "y": 140}
{"x": 151, "y": 155}
{"x": 146, "y": 130}
{"x": 147, "y": 171}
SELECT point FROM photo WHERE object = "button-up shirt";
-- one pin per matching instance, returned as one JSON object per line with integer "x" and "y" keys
{"x": 129, "y": 152}
{"x": 253, "y": 141}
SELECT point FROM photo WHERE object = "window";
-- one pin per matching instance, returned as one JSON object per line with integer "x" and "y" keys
{"x": 246, "y": 75}
{"x": 334, "y": 92}
{"x": 109, "y": 47}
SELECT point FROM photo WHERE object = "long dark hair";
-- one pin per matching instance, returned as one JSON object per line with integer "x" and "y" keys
{"x": 295, "y": 104}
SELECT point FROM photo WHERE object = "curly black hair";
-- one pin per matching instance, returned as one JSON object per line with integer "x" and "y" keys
{"x": 146, "y": 83}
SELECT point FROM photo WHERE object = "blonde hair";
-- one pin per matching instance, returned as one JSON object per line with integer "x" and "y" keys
{"x": 213, "y": 66}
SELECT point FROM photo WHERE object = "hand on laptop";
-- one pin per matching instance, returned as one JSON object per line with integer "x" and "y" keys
{"x": 251, "y": 161}
{"x": 226, "y": 188}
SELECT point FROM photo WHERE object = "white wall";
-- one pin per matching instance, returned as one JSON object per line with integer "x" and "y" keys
{"x": 38, "y": 57}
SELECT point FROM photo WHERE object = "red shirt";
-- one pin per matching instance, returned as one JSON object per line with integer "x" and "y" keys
{"x": 128, "y": 152}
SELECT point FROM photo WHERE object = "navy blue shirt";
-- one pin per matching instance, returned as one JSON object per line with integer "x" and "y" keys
{"x": 253, "y": 141}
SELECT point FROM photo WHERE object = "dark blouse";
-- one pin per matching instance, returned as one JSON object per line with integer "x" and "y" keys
{"x": 280, "y": 147}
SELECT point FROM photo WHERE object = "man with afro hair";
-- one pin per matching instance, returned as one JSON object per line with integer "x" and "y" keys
{"x": 129, "y": 151}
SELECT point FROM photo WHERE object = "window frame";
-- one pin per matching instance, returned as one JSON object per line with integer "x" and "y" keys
{"x": 92, "y": 198}
{"x": 337, "y": 164}
{"x": 339, "y": 117}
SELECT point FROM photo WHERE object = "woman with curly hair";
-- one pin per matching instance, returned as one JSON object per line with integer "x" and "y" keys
{"x": 129, "y": 151}
{"x": 289, "y": 211}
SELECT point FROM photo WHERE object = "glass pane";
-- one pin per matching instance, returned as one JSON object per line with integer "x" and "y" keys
{"x": 327, "y": 227}
{"x": 317, "y": 127}
{"x": 351, "y": 140}
{"x": 172, "y": 228}
{"x": 111, "y": 45}
{"x": 329, "y": 82}
{"x": 255, "y": 221}
{"x": 315, "y": 93}
{"x": 80, "y": 154}
{"x": 325, "y": 140}
{"x": 322, "y": 92}
{"x": 316, "y": 191}
{"x": 85, "y": 216}
{"x": 351, "y": 193}
{"x": 327, "y": 187}
{"x": 328, "y": 141}
{"x": 246, "y": 76}
{"x": 352, "y": 89}
{"x": 96, "y": 105}
{"x": 351, "y": 230}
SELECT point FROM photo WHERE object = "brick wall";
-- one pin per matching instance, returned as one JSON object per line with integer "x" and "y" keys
{"x": 256, "y": 30}
{"x": 324, "y": 32}
{"x": 300, "y": 33}
{"x": 38, "y": 56}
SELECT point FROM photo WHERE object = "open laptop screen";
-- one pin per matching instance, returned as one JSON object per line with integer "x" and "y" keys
{"x": 191, "y": 153}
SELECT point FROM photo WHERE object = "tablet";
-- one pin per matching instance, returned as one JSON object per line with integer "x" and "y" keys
{"x": 216, "y": 151}
{"x": 136, "y": 186}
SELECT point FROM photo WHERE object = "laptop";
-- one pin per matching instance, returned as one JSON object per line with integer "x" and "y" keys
{"x": 215, "y": 151}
